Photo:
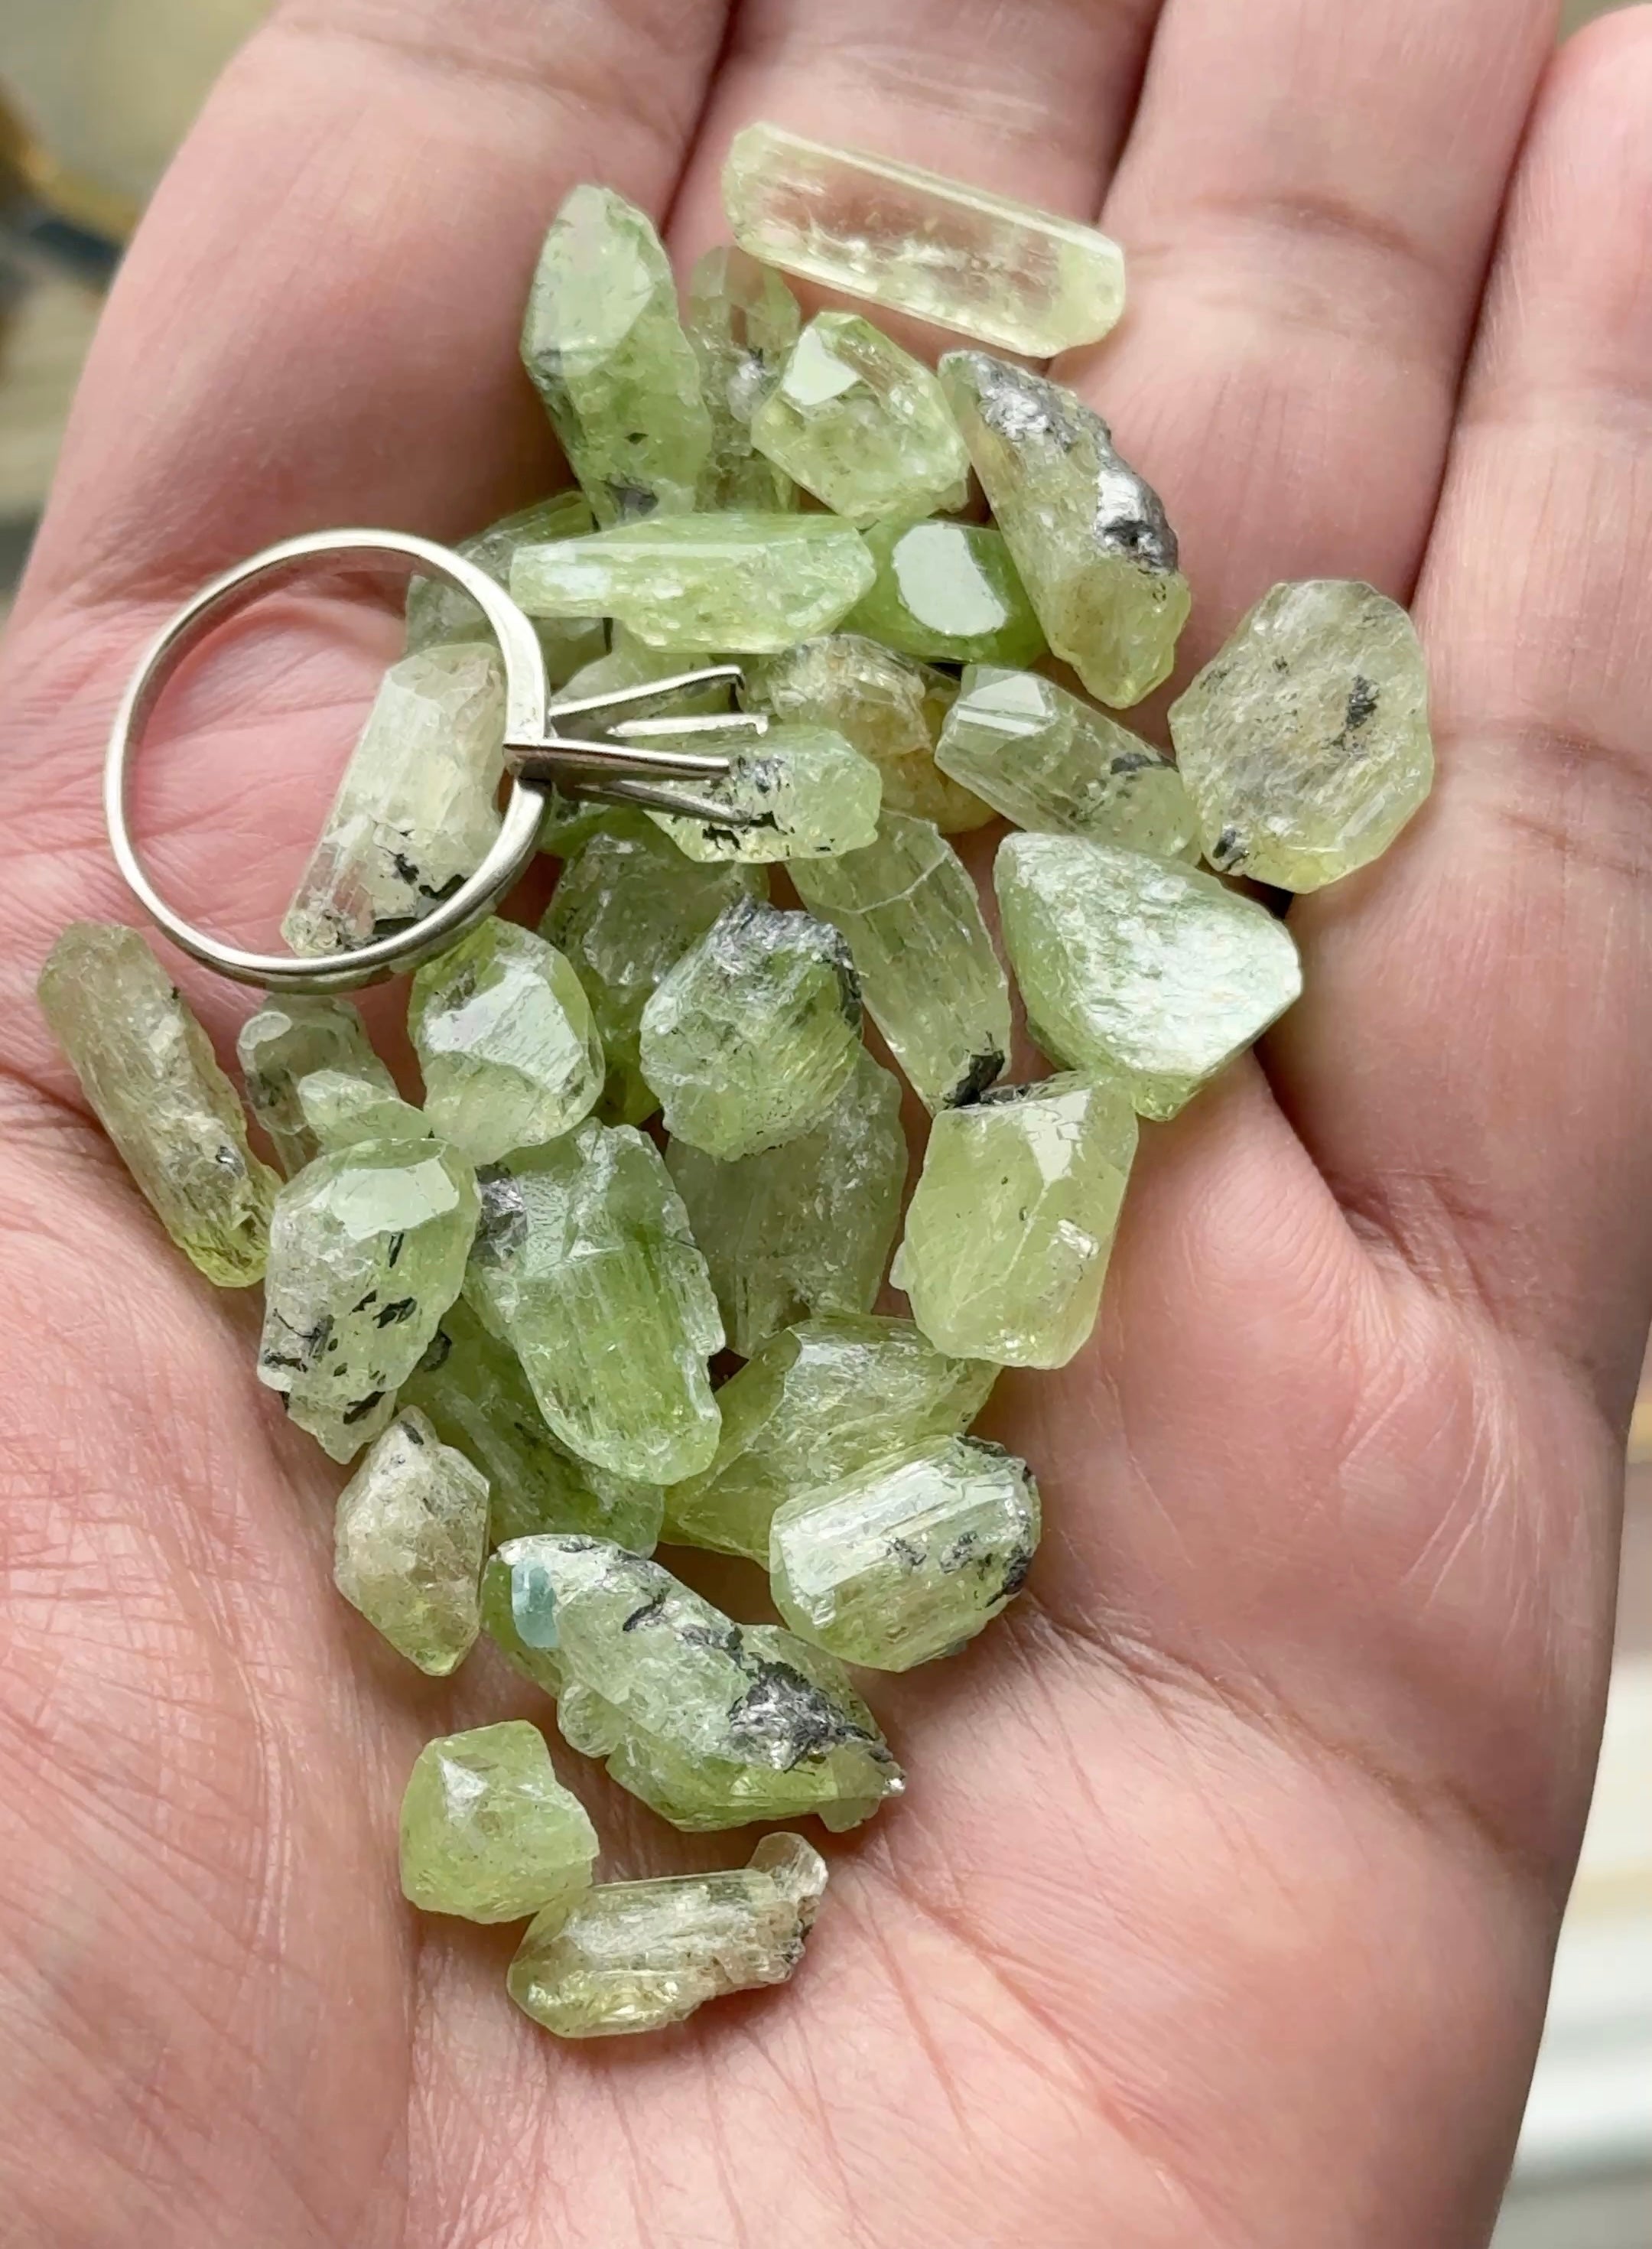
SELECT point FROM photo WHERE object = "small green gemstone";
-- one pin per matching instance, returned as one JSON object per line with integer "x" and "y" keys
{"x": 341, "y": 1107}
{"x": 410, "y": 1542}
{"x": 801, "y": 792}
{"x": 438, "y": 612}
{"x": 543, "y": 1667}
{"x": 948, "y": 592}
{"x": 742, "y": 322}
{"x": 284, "y": 1041}
{"x": 488, "y": 1832}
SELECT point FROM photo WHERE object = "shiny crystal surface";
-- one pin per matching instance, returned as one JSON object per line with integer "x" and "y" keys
{"x": 410, "y": 1537}
{"x": 742, "y": 322}
{"x": 339, "y": 1107}
{"x": 284, "y": 1042}
{"x": 799, "y": 791}
{"x": 488, "y": 1832}
{"x": 948, "y": 592}
{"x": 438, "y": 612}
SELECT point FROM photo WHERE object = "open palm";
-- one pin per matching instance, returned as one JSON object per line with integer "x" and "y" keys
{"x": 1220, "y": 1908}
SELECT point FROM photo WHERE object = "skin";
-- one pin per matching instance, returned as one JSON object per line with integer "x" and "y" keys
{"x": 1222, "y": 1906}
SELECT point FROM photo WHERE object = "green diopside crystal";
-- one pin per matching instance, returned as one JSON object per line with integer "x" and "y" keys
{"x": 932, "y": 982}
{"x": 820, "y": 1405}
{"x": 1089, "y": 536}
{"x": 410, "y": 1540}
{"x": 285, "y": 1041}
{"x": 503, "y": 1034}
{"x": 1007, "y": 1235}
{"x": 751, "y": 1037}
{"x": 985, "y": 266}
{"x": 417, "y": 809}
{"x": 887, "y": 706}
{"x": 488, "y": 1832}
{"x": 637, "y": 1955}
{"x": 607, "y": 352}
{"x": 367, "y": 1250}
{"x": 742, "y": 322}
{"x": 148, "y": 1069}
{"x": 1138, "y": 968}
{"x": 438, "y": 612}
{"x": 910, "y": 1562}
{"x": 1305, "y": 744}
{"x": 542, "y": 1667}
{"x": 743, "y": 580}
{"x": 1047, "y": 760}
{"x": 806, "y": 1227}
{"x": 862, "y": 424}
{"x": 339, "y": 1108}
{"x": 803, "y": 793}
{"x": 584, "y": 1264}
{"x": 948, "y": 592}
{"x": 628, "y": 907}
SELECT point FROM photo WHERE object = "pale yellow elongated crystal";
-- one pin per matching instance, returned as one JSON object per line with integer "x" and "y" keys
{"x": 438, "y": 612}
{"x": 410, "y": 1540}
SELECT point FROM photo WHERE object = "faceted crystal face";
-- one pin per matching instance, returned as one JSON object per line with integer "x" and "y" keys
{"x": 909, "y": 1562}
{"x": 368, "y": 1248}
{"x": 438, "y": 612}
{"x": 1137, "y": 968}
{"x": 584, "y": 1264}
{"x": 982, "y": 265}
{"x": 417, "y": 810}
{"x": 742, "y": 322}
{"x": 410, "y": 1542}
{"x": 862, "y": 424}
{"x": 1007, "y": 1237}
{"x": 488, "y": 1832}
{"x": 818, "y": 1405}
{"x": 637, "y": 1955}
{"x": 752, "y": 1036}
{"x": 800, "y": 792}
{"x": 1088, "y": 536}
{"x": 541, "y": 1666}
{"x": 607, "y": 354}
{"x": 806, "y": 1227}
{"x": 148, "y": 1072}
{"x": 506, "y": 1040}
{"x": 285, "y": 1041}
{"x": 931, "y": 980}
{"x": 1051, "y": 762}
{"x": 1305, "y": 744}
{"x": 338, "y": 1108}
{"x": 949, "y": 592}
{"x": 744, "y": 581}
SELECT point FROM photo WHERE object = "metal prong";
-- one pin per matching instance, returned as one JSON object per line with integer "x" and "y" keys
{"x": 674, "y": 801}
{"x": 705, "y": 722}
{"x": 713, "y": 674}
{"x": 562, "y": 754}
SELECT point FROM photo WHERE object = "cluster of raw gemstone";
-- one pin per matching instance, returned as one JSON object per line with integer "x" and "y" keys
{"x": 653, "y": 1131}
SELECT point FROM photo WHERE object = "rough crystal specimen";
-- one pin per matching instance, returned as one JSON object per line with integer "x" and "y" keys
{"x": 410, "y": 1542}
{"x": 417, "y": 809}
{"x": 820, "y": 1404}
{"x": 488, "y": 1831}
{"x": 438, "y": 612}
{"x": 607, "y": 352}
{"x": 806, "y": 1227}
{"x": 1007, "y": 1235}
{"x": 1305, "y": 744}
{"x": 908, "y": 1562}
{"x": 1048, "y": 760}
{"x": 801, "y": 792}
{"x": 540, "y": 1664}
{"x": 743, "y": 580}
{"x": 339, "y": 1107}
{"x": 946, "y": 591}
{"x": 932, "y": 982}
{"x": 636, "y": 1956}
{"x": 1138, "y": 968}
{"x": 504, "y": 1036}
{"x": 285, "y": 1041}
{"x": 584, "y": 1264}
{"x": 367, "y": 1250}
{"x": 148, "y": 1072}
{"x": 985, "y": 266}
{"x": 742, "y": 322}
{"x": 1089, "y": 536}
{"x": 628, "y": 907}
{"x": 752, "y": 1036}
{"x": 862, "y": 424}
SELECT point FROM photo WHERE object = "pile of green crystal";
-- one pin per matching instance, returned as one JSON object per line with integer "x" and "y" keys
{"x": 616, "y": 1280}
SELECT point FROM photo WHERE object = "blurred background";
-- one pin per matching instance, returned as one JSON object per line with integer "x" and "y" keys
{"x": 94, "y": 95}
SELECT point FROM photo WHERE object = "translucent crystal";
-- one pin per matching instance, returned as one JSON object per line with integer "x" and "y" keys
{"x": 931, "y": 980}
{"x": 438, "y": 612}
{"x": 410, "y": 1542}
{"x": 1049, "y": 760}
{"x": 742, "y": 322}
{"x": 148, "y": 1069}
{"x": 909, "y": 1562}
{"x": 339, "y": 1107}
{"x": 1305, "y": 744}
{"x": 488, "y": 1831}
{"x": 1007, "y": 1235}
{"x": 806, "y": 1227}
{"x": 417, "y": 809}
{"x": 506, "y": 1040}
{"x": 607, "y": 352}
{"x": 1089, "y": 536}
{"x": 862, "y": 424}
{"x": 946, "y": 591}
{"x": 541, "y": 1665}
{"x": 801, "y": 791}
{"x": 817, "y": 1405}
{"x": 985, "y": 266}
{"x": 1138, "y": 968}
{"x": 285, "y": 1041}
{"x": 636, "y": 1956}
{"x": 584, "y": 1264}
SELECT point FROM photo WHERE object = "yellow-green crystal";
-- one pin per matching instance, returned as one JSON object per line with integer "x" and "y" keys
{"x": 410, "y": 1542}
{"x": 948, "y": 592}
{"x": 541, "y": 1666}
{"x": 1139, "y": 969}
{"x": 488, "y": 1832}
{"x": 1305, "y": 744}
{"x": 438, "y": 612}
{"x": 799, "y": 791}
{"x": 741, "y": 320}
{"x": 285, "y": 1041}
{"x": 339, "y": 1107}
{"x": 148, "y": 1069}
